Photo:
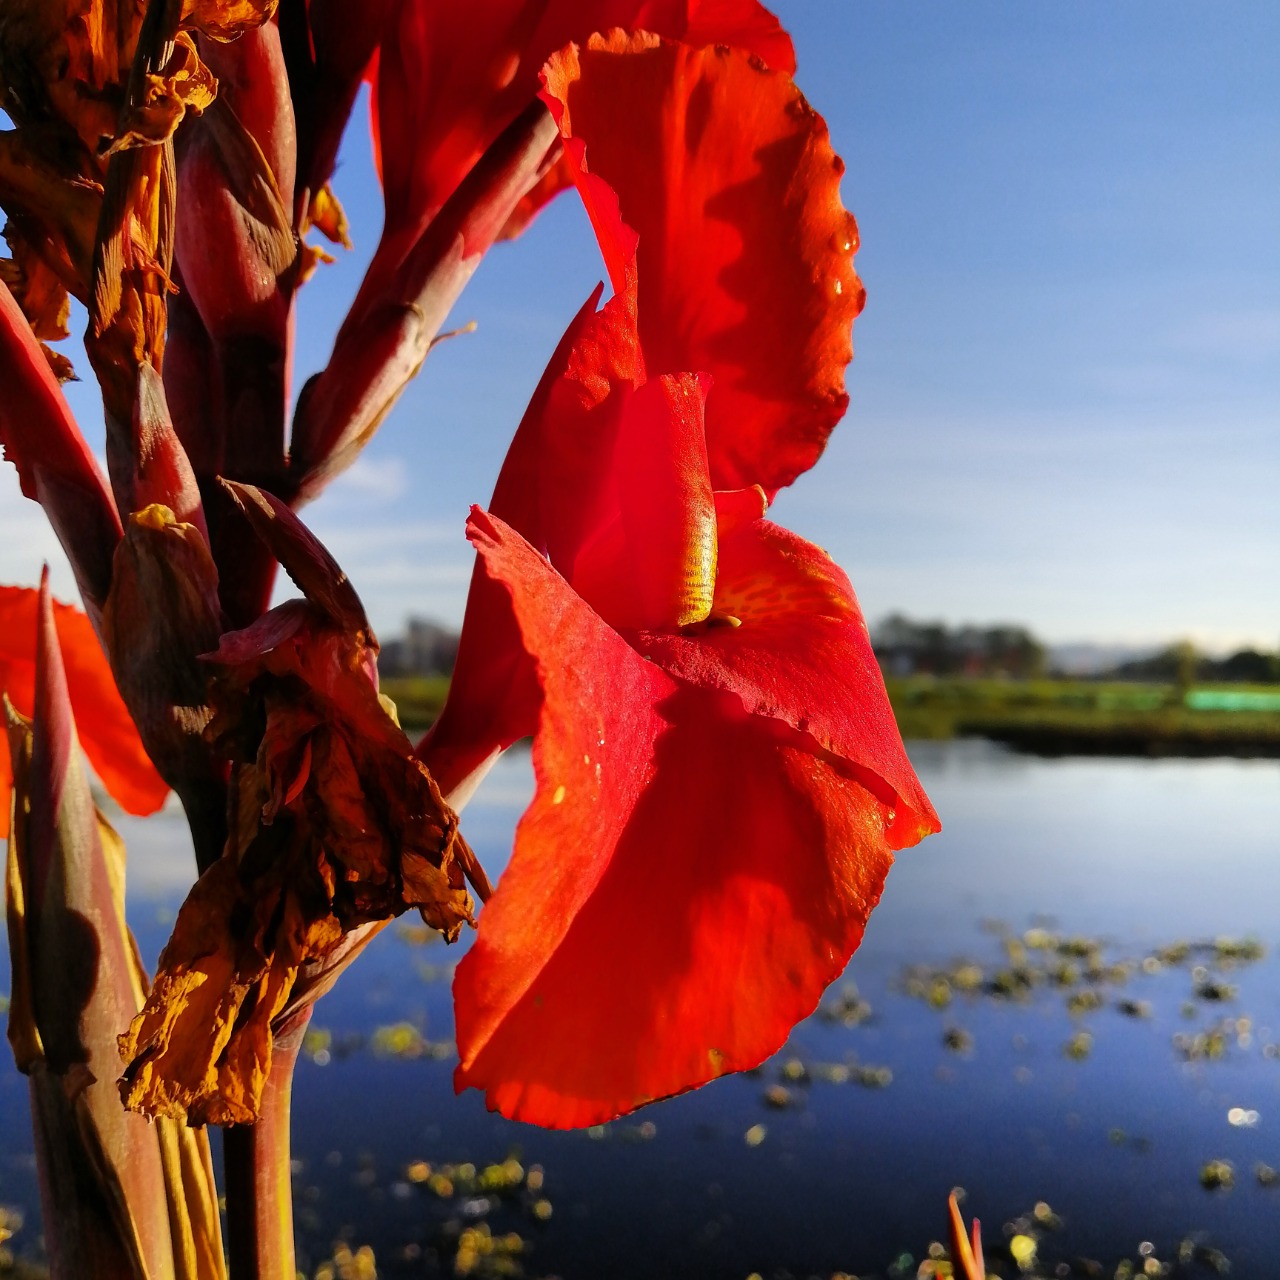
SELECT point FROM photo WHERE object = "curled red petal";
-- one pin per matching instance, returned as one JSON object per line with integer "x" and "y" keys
{"x": 659, "y": 923}
{"x": 106, "y": 731}
{"x": 545, "y": 490}
{"x": 459, "y": 74}
{"x": 788, "y": 639}
{"x": 745, "y": 261}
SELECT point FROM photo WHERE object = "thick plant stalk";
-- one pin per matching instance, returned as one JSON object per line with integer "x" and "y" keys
{"x": 257, "y": 1171}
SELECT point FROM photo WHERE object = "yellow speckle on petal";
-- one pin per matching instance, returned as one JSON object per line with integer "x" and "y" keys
{"x": 559, "y": 796}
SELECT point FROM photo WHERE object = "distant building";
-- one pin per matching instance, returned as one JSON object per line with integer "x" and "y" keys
{"x": 904, "y": 647}
{"x": 426, "y": 649}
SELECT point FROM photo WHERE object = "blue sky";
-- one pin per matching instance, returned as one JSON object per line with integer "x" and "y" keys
{"x": 1066, "y": 394}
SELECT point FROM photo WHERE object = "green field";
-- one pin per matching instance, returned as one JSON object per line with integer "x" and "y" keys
{"x": 1048, "y": 716}
{"x": 1070, "y": 716}
{"x": 418, "y": 699}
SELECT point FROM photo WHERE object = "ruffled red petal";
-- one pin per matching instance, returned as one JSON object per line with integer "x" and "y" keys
{"x": 105, "y": 729}
{"x": 745, "y": 261}
{"x": 459, "y": 74}
{"x": 660, "y": 923}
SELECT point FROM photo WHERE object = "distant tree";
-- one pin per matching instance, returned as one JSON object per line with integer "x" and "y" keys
{"x": 904, "y": 647}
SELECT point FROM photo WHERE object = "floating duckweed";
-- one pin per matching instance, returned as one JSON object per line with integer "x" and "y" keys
{"x": 418, "y": 934}
{"x": 939, "y": 993}
{"x": 501, "y": 1177}
{"x": 10, "y": 1222}
{"x": 1135, "y": 1008}
{"x": 345, "y": 1265}
{"x": 1215, "y": 989}
{"x": 542, "y": 1210}
{"x": 1239, "y": 950}
{"x": 1266, "y": 1175}
{"x": 755, "y": 1135}
{"x": 874, "y": 1077}
{"x": 418, "y": 1171}
{"x": 1079, "y": 947}
{"x": 1045, "y": 1216}
{"x": 778, "y": 1097}
{"x": 831, "y": 1072}
{"x": 480, "y": 1252}
{"x": 1218, "y": 1174}
{"x": 848, "y": 1008}
{"x": 534, "y": 1178}
{"x": 405, "y": 1041}
{"x": 1022, "y": 1249}
{"x": 795, "y": 1072}
{"x": 317, "y": 1045}
{"x": 1079, "y": 1046}
{"x": 967, "y": 978}
{"x": 957, "y": 1039}
{"x": 1082, "y": 1002}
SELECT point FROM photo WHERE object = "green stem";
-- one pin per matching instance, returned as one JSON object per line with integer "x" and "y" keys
{"x": 256, "y": 1162}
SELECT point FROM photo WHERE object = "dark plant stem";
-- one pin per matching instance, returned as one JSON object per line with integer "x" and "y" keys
{"x": 256, "y": 1161}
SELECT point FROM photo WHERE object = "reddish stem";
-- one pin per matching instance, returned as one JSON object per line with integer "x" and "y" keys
{"x": 257, "y": 1172}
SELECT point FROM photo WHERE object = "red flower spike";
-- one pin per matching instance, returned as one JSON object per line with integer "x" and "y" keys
{"x": 55, "y": 467}
{"x": 106, "y": 732}
{"x": 236, "y": 247}
{"x": 660, "y": 923}
{"x": 744, "y": 266}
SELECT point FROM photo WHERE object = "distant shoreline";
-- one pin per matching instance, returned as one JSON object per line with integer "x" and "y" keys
{"x": 1041, "y": 717}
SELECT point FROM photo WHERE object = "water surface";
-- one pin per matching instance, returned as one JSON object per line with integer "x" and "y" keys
{"x": 883, "y": 1118}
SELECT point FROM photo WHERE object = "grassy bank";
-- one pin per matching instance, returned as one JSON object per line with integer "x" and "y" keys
{"x": 1077, "y": 716}
{"x": 1052, "y": 717}
{"x": 418, "y": 699}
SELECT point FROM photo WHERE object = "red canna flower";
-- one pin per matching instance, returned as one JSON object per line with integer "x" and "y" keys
{"x": 106, "y": 732}
{"x": 720, "y": 783}
{"x": 719, "y": 780}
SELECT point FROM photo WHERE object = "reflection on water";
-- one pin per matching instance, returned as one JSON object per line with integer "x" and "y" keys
{"x": 838, "y": 1155}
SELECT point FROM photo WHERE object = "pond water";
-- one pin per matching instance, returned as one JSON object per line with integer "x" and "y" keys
{"x": 1081, "y": 1059}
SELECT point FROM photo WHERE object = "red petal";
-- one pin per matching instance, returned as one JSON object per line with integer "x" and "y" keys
{"x": 106, "y": 732}
{"x": 659, "y": 924}
{"x": 802, "y": 655}
{"x": 651, "y": 559}
{"x": 547, "y": 490}
{"x": 745, "y": 260}
{"x": 437, "y": 78}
